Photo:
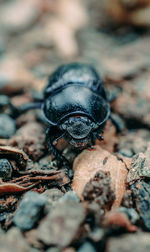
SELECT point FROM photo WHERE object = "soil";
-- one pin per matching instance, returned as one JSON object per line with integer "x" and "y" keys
{"x": 100, "y": 200}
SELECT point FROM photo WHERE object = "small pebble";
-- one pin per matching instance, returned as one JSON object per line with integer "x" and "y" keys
{"x": 141, "y": 200}
{"x": 2, "y": 217}
{"x": 62, "y": 225}
{"x": 53, "y": 194}
{"x": 70, "y": 196}
{"x": 4, "y": 100}
{"x": 97, "y": 234}
{"x": 7, "y": 126}
{"x": 126, "y": 152}
{"x": 5, "y": 169}
{"x": 27, "y": 14}
{"x": 131, "y": 213}
{"x": 29, "y": 210}
{"x": 88, "y": 247}
{"x": 53, "y": 250}
{"x": 4, "y": 79}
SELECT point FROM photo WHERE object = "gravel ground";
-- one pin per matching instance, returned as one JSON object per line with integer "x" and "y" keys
{"x": 102, "y": 201}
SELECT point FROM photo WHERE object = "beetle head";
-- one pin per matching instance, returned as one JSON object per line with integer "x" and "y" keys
{"x": 78, "y": 129}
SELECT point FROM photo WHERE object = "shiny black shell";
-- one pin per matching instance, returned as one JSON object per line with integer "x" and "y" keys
{"x": 75, "y": 89}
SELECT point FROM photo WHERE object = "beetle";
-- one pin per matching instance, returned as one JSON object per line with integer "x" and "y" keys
{"x": 74, "y": 105}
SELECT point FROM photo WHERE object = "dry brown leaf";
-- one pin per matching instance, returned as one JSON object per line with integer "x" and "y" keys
{"x": 8, "y": 188}
{"x": 15, "y": 154}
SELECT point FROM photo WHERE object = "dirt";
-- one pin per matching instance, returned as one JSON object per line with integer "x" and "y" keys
{"x": 98, "y": 200}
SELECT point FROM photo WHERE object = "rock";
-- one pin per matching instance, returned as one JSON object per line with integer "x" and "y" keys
{"x": 62, "y": 225}
{"x": 127, "y": 201}
{"x": 70, "y": 196}
{"x": 97, "y": 234}
{"x": 4, "y": 101}
{"x": 88, "y": 163}
{"x": 131, "y": 213}
{"x": 53, "y": 194}
{"x": 7, "y": 126}
{"x": 29, "y": 211}
{"x": 126, "y": 152}
{"x": 69, "y": 17}
{"x": 98, "y": 190}
{"x": 53, "y": 250}
{"x": 117, "y": 220}
{"x": 139, "y": 167}
{"x": 123, "y": 12}
{"x": 13, "y": 241}
{"x": 69, "y": 249}
{"x": 129, "y": 242}
{"x": 133, "y": 142}
{"x": 140, "y": 17}
{"x": 125, "y": 68}
{"x": 27, "y": 13}
{"x": 5, "y": 169}
{"x": 133, "y": 103}
{"x": 141, "y": 199}
{"x": 14, "y": 76}
{"x": 30, "y": 138}
{"x": 87, "y": 246}
{"x": 31, "y": 238}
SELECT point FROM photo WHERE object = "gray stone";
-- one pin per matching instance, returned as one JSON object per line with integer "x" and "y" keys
{"x": 5, "y": 169}
{"x": 61, "y": 226}
{"x": 88, "y": 247}
{"x": 7, "y": 126}
{"x": 140, "y": 167}
{"x": 70, "y": 196}
{"x": 129, "y": 242}
{"x": 29, "y": 210}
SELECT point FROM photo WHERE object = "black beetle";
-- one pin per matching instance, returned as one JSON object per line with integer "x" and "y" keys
{"x": 74, "y": 105}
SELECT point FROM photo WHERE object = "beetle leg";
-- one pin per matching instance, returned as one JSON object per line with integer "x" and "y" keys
{"x": 117, "y": 122}
{"x": 97, "y": 134}
{"x": 51, "y": 146}
{"x": 25, "y": 107}
{"x": 100, "y": 137}
{"x": 93, "y": 138}
{"x": 91, "y": 148}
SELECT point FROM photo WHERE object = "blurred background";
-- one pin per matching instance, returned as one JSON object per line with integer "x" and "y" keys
{"x": 36, "y": 36}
